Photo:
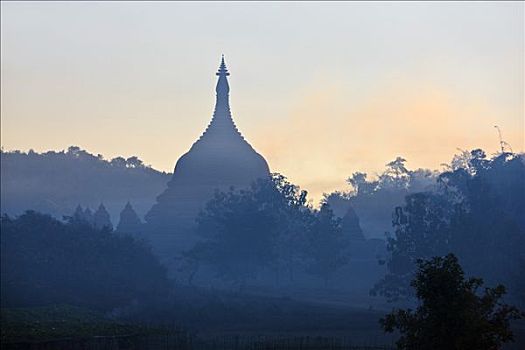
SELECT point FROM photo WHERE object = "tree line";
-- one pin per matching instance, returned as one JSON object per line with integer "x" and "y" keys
{"x": 473, "y": 209}
{"x": 46, "y": 261}
{"x": 268, "y": 227}
{"x": 55, "y": 182}
{"x": 475, "y": 212}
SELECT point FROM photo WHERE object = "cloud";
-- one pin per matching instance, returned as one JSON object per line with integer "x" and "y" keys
{"x": 330, "y": 133}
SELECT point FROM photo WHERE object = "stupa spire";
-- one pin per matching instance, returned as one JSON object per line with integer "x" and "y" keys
{"x": 222, "y": 68}
{"x": 222, "y": 121}
{"x": 218, "y": 160}
{"x": 223, "y": 88}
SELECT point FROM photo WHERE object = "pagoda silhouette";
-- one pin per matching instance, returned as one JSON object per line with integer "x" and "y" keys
{"x": 220, "y": 159}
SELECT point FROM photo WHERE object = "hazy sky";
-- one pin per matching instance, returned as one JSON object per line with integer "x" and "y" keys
{"x": 320, "y": 89}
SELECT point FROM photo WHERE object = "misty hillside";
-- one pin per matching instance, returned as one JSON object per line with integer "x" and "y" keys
{"x": 56, "y": 182}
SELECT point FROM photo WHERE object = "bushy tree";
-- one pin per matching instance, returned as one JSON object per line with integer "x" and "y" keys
{"x": 326, "y": 245}
{"x": 452, "y": 314}
{"x": 476, "y": 213}
{"x": 238, "y": 236}
{"x": 269, "y": 227}
{"x": 44, "y": 261}
{"x": 373, "y": 199}
{"x": 421, "y": 229}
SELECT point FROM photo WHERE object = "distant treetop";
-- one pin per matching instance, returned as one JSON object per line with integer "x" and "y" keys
{"x": 78, "y": 153}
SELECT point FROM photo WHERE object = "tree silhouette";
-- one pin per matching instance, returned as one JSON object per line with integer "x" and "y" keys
{"x": 45, "y": 261}
{"x": 267, "y": 227}
{"x": 238, "y": 228}
{"x": 372, "y": 200}
{"x": 476, "y": 213}
{"x": 326, "y": 245}
{"x": 452, "y": 315}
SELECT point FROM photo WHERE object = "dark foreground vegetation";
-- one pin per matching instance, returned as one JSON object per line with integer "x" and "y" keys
{"x": 241, "y": 286}
{"x": 42, "y": 324}
{"x": 45, "y": 261}
{"x": 476, "y": 212}
{"x": 452, "y": 313}
{"x": 67, "y": 327}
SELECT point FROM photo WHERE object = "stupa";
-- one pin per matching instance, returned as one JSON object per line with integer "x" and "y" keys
{"x": 129, "y": 221}
{"x": 220, "y": 159}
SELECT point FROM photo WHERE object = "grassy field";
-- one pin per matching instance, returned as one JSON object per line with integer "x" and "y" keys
{"x": 270, "y": 323}
{"x": 63, "y": 321}
{"x": 228, "y": 322}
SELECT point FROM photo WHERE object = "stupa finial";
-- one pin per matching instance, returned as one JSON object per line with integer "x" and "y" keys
{"x": 223, "y": 71}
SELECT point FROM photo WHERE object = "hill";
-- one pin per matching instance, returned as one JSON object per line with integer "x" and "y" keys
{"x": 56, "y": 182}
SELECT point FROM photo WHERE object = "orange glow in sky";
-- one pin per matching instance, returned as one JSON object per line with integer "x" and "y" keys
{"x": 320, "y": 90}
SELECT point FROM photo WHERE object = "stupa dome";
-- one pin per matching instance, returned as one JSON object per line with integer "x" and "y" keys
{"x": 220, "y": 159}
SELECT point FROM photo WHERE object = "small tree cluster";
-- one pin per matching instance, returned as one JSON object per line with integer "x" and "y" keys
{"x": 476, "y": 213}
{"x": 452, "y": 315}
{"x": 271, "y": 227}
{"x": 44, "y": 261}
